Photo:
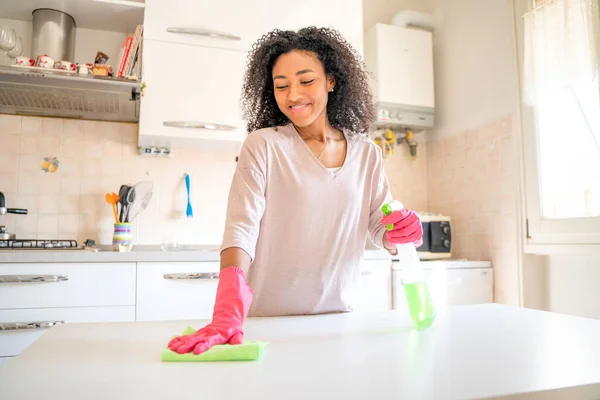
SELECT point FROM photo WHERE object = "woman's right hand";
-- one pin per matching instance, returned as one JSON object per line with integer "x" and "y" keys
{"x": 233, "y": 300}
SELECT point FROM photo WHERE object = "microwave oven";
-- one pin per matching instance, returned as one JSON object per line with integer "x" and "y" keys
{"x": 437, "y": 237}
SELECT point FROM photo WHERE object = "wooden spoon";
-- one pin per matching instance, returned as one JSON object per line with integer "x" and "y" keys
{"x": 113, "y": 198}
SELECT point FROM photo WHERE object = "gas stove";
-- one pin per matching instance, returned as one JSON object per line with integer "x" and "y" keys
{"x": 38, "y": 244}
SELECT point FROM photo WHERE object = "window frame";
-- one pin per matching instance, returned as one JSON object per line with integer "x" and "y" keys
{"x": 544, "y": 235}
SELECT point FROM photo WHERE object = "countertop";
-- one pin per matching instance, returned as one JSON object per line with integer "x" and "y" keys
{"x": 475, "y": 351}
{"x": 139, "y": 253}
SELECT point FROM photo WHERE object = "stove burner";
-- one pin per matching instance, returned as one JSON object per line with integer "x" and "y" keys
{"x": 37, "y": 244}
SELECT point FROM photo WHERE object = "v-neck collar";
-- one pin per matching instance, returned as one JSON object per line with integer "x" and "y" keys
{"x": 297, "y": 136}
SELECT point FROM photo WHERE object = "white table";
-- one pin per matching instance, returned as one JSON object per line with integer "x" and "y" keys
{"x": 471, "y": 352}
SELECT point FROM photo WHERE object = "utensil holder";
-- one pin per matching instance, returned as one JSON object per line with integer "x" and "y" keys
{"x": 122, "y": 239}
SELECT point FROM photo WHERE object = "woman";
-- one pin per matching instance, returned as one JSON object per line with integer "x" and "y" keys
{"x": 308, "y": 188}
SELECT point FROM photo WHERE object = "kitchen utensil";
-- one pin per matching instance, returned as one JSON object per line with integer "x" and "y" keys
{"x": 17, "y": 50}
{"x": 5, "y": 235}
{"x": 53, "y": 33}
{"x": 188, "y": 212}
{"x": 123, "y": 190}
{"x": 112, "y": 199}
{"x": 4, "y": 210}
{"x": 141, "y": 198}
{"x": 247, "y": 351}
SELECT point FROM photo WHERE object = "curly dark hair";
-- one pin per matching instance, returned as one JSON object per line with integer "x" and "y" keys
{"x": 349, "y": 106}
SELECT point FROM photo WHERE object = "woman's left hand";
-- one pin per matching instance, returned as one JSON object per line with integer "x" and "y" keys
{"x": 407, "y": 227}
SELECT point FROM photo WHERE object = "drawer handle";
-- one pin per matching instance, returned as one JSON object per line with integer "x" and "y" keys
{"x": 204, "y": 32}
{"x": 196, "y": 275}
{"x": 199, "y": 125}
{"x": 365, "y": 273}
{"x": 32, "y": 278}
{"x": 23, "y": 326}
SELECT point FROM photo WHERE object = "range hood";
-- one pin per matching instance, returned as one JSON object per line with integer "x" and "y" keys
{"x": 58, "y": 94}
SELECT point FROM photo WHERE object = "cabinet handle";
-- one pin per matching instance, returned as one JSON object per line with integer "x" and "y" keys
{"x": 199, "y": 125}
{"x": 204, "y": 32}
{"x": 32, "y": 278}
{"x": 365, "y": 273}
{"x": 22, "y": 326}
{"x": 192, "y": 275}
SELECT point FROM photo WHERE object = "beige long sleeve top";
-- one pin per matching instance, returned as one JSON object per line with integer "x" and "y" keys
{"x": 303, "y": 225}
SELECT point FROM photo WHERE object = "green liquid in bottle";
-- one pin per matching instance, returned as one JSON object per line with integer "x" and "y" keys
{"x": 422, "y": 311}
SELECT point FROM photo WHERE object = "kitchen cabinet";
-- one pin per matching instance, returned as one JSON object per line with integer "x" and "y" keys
{"x": 19, "y": 331}
{"x": 214, "y": 24}
{"x": 39, "y": 295}
{"x": 450, "y": 283}
{"x": 176, "y": 290}
{"x": 375, "y": 286}
{"x": 4, "y": 360}
{"x": 194, "y": 58}
{"x": 51, "y": 285}
{"x": 202, "y": 88}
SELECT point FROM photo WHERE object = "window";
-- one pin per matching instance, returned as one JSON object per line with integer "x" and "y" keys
{"x": 558, "y": 56}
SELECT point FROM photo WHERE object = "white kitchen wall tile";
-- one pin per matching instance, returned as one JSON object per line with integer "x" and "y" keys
{"x": 29, "y": 144}
{"x": 69, "y": 185}
{"x": 49, "y": 183}
{"x": 52, "y": 127}
{"x": 68, "y": 223}
{"x": 91, "y": 167}
{"x": 88, "y": 223}
{"x": 26, "y": 224}
{"x": 11, "y": 144}
{"x": 69, "y": 205}
{"x": 31, "y": 126}
{"x": 48, "y": 224}
{"x": 28, "y": 202}
{"x": 71, "y": 128}
{"x": 28, "y": 183}
{"x": 111, "y": 132}
{"x": 112, "y": 150}
{"x": 111, "y": 167}
{"x": 30, "y": 163}
{"x": 51, "y": 146}
{"x": 69, "y": 166}
{"x": 9, "y": 164}
{"x": 72, "y": 146}
{"x": 48, "y": 204}
{"x": 89, "y": 186}
{"x": 91, "y": 130}
{"x": 129, "y": 133}
{"x": 10, "y": 124}
{"x": 92, "y": 147}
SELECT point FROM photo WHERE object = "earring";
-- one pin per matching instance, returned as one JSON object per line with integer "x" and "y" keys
{"x": 331, "y": 90}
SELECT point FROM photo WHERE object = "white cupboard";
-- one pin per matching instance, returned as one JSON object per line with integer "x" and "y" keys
{"x": 176, "y": 290}
{"x": 375, "y": 286}
{"x": 194, "y": 55}
{"x": 200, "y": 90}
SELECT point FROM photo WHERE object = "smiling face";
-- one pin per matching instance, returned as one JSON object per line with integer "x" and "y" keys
{"x": 301, "y": 87}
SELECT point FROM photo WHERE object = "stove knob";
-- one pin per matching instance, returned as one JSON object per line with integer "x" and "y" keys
{"x": 446, "y": 229}
{"x": 446, "y": 244}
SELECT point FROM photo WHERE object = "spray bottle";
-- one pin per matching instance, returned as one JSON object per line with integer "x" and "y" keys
{"x": 418, "y": 297}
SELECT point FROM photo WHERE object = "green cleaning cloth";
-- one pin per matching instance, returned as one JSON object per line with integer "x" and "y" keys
{"x": 248, "y": 351}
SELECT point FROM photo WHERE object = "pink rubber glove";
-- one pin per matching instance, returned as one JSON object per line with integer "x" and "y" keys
{"x": 233, "y": 299}
{"x": 407, "y": 227}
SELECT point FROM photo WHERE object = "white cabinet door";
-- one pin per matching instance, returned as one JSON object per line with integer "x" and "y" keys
{"x": 177, "y": 290}
{"x": 237, "y": 24}
{"x": 470, "y": 286}
{"x": 13, "y": 341}
{"x": 374, "y": 287}
{"x": 189, "y": 88}
{"x": 450, "y": 287}
{"x": 66, "y": 285}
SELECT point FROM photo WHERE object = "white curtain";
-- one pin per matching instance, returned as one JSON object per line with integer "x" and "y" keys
{"x": 561, "y": 84}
